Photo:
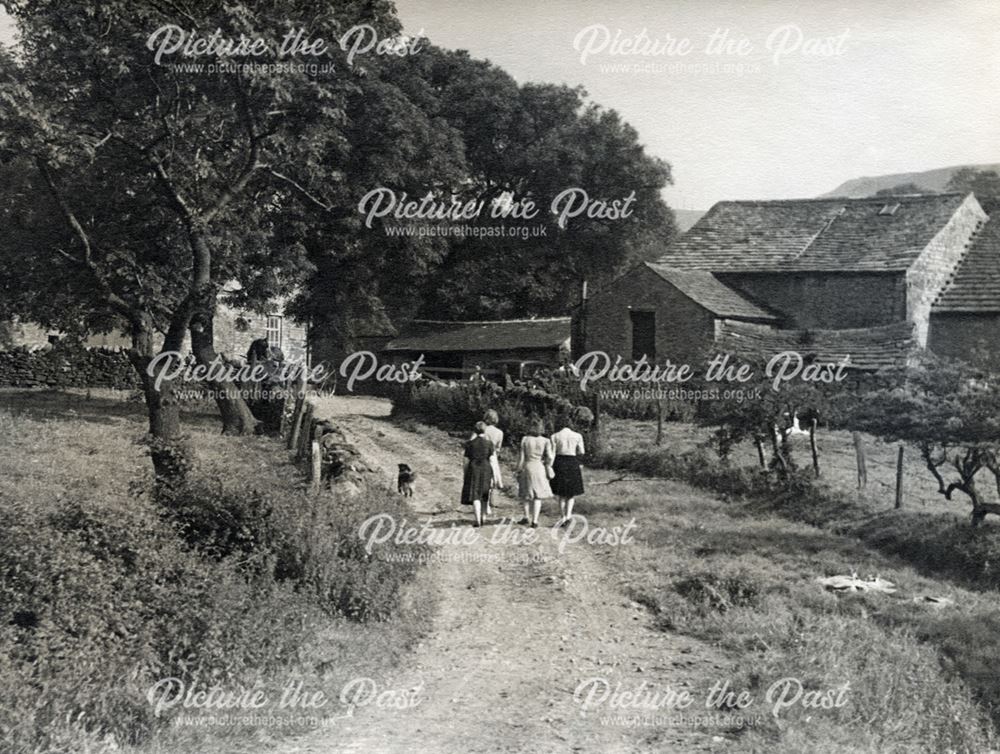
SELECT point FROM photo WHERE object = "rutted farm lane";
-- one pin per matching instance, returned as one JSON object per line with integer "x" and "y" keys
{"x": 518, "y": 627}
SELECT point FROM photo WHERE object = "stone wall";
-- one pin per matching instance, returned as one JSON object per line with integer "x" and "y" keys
{"x": 683, "y": 328}
{"x": 967, "y": 336}
{"x": 67, "y": 367}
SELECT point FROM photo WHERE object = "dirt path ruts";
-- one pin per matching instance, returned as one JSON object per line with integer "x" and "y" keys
{"x": 518, "y": 627}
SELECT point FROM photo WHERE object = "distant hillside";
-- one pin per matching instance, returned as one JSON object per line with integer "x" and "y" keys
{"x": 928, "y": 180}
{"x": 687, "y": 217}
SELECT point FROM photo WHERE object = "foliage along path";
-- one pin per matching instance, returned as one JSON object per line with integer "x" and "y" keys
{"x": 516, "y": 628}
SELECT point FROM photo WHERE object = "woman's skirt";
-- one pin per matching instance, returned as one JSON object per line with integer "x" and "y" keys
{"x": 477, "y": 482}
{"x": 568, "y": 481}
{"x": 533, "y": 482}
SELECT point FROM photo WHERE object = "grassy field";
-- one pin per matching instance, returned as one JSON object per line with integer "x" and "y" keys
{"x": 741, "y": 571}
{"x": 106, "y": 598}
{"x": 838, "y": 467}
{"x": 922, "y": 678}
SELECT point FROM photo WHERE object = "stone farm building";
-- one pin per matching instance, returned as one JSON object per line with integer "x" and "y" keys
{"x": 450, "y": 347}
{"x": 872, "y": 278}
{"x": 234, "y": 330}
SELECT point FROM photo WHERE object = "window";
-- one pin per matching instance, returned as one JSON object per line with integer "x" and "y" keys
{"x": 889, "y": 209}
{"x": 643, "y": 335}
{"x": 273, "y": 331}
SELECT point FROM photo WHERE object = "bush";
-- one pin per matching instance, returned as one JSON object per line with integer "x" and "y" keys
{"x": 619, "y": 402}
{"x": 99, "y": 603}
{"x": 218, "y": 522}
{"x": 459, "y": 407}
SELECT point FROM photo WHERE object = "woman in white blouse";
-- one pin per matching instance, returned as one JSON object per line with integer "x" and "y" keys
{"x": 567, "y": 483}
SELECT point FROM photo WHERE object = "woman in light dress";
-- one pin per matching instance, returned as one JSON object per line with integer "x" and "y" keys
{"x": 567, "y": 445}
{"x": 534, "y": 468}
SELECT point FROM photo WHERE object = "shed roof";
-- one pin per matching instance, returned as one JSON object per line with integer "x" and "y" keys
{"x": 496, "y": 335}
{"x": 870, "y": 348}
{"x": 875, "y": 234}
{"x": 704, "y": 288}
{"x": 975, "y": 285}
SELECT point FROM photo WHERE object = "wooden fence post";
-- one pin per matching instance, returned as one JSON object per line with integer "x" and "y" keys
{"x": 759, "y": 444}
{"x": 305, "y": 434}
{"x": 812, "y": 446}
{"x": 296, "y": 423}
{"x": 659, "y": 421}
{"x": 859, "y": 455}
{"x": 899, "y": 477}
{"x": 315, "y": 467}
{"x": 295, "y": 396}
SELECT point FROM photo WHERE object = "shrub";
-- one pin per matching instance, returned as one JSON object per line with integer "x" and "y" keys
{"x": 99, "y": 602}
{"x": 220, "y": 522}
{"x": 459, "y": 407}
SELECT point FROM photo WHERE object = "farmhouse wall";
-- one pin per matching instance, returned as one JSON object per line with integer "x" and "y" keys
{"x": 826, "y": 300}
{"x": 683, "y": 328}
{"x": 968, "y": 336}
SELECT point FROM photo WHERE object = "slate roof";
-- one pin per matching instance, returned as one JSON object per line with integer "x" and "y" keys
{"x": 870, "y": 348}
{"x": 812, "y": 235}
{"x": 705, "y": 289}
{"x": 498, "y": 335}
{"x": 975, "y": 284}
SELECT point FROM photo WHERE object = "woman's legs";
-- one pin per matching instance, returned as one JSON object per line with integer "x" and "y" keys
{"x": 538, "y": 510}
{"x": 527, "y": 512}
{"x": 477, "y": 509}
{"x": 568, "y": 514}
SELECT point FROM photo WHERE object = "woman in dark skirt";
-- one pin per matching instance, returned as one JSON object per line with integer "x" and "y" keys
{"x": 478, "y": 476}
{"x": 568, "y": 480}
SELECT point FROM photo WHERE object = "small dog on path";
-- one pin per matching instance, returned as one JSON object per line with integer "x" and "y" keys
{"x": 405, "y": 480}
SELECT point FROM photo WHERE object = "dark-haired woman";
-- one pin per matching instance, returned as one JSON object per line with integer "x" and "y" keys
{"x": 478, "y": 473}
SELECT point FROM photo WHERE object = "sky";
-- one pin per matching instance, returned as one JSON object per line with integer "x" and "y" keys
{"x": 821, "y": 92}
{"x": 904, "y": 85}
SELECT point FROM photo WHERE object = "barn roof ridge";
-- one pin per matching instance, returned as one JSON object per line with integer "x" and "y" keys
{"x": 830, "y": 234}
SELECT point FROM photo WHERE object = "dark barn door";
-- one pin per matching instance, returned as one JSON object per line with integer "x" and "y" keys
{"x": 643, "y": 335}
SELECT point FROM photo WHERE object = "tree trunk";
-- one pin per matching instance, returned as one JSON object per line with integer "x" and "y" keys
{"x": 899, "y": 476}
{"x": 779, "y": 462}
{"x": 171, "y": 458}
{"x": 236, "y": 416}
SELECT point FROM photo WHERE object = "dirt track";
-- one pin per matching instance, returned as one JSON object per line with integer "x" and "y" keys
{"x": 518, "y": 627}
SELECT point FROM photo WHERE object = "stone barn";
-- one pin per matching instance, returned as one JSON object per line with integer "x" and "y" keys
{"x": 907, "y": 269}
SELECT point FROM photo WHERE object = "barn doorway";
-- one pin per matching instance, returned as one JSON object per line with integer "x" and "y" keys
{"x": 643, "y": 335}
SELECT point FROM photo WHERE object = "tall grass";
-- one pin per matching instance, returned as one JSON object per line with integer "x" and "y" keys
{"x": 106, "y": 588}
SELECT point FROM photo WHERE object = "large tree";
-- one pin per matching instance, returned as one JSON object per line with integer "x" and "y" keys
{"x": 535, "y": 141}
{"x": 144, "y": 186}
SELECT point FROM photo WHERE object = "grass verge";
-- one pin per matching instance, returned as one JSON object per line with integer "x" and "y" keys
{"x": 243, "y": 581}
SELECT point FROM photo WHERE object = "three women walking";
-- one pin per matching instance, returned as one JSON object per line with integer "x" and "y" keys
{"x": 547, "y": 467}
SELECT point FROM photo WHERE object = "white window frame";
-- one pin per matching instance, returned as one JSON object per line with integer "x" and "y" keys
{"x": 274, "y": 330}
